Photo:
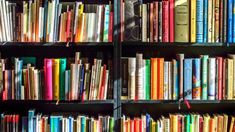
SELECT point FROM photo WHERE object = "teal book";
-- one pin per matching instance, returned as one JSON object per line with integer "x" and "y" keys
{"x": 30, "y": 120}
{"x": 204, "y": 63}
{"x": 52, "y": 128}
{"x": 106, "y": 23}
{"x": 62, "y": 78}
{"x": 83, "y": 124}
{"x": 28, "y": 60}
{"x": 147, "y": 79}
{"x": 67, "y": 84}
{"x": 188, "y": 79}
{"x": 187, "y": 123}
{"x": 199, "y": 21}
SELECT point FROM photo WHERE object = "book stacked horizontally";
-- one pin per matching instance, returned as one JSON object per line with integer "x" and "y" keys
{"x": 179, "y": 123}
{"x": 201, "y": 21}
{"x": 58, "y": 80}
{"x": 52, "y": 21}
{"x": 202, "y": 78}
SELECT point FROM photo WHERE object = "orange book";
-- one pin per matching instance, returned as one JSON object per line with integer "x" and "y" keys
{"x": 160, "y": 76}
{"x": 211, "y": 125}
{"x": 154, "y": 78}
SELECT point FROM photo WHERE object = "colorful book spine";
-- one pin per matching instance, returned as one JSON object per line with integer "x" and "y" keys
{"x": 172, "y": 19}
{"x": 205, "y": 21}
{"x": 154, "y": 78}
{"x": 210, "y": 16}
{"x": 196, "y": 79}
{"x": 193, "y": 26}
{"x": 233, "y": 25}
{"x": 55, "y": 78}
{"x": 175, "y": 80}
{"x": 230, "y": 21}
{"x": 62, "y": 78}
{"x": 199, "y": 21}
{"x": 106, "y": 23}
{"x": 188, "y": 79}
{"x": 48, "y": 79}
{"x": 165, "y": 90}
{"x": 165, "y": 21}
{"x": 147, "y": 79}
{"x": 204, "y": 76}
{"x": 219, "y": 77}
{"x": 211, "y": 78}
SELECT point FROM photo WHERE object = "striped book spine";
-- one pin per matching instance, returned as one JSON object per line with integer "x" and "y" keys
{"x": 204, "y": 76}
{"x": 196, "y": 79}
{"x": 188, "y": 79}
{"x": 199, "y": 21}
{"x": 205, "y": 21}
{"x": 211, "y": 78}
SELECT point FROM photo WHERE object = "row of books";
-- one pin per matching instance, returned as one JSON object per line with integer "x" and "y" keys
{"x": 202, "y": 78}
{"x": 55, "y": 123}
{"x": 53, "y": 21}
{"x": 178, "y": 21}
{"x": 179, "y": 123}
{"x": 79, "y": 80}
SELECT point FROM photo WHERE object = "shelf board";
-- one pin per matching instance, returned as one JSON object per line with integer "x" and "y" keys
{"x": 136, "y": 108}
{"x": 87, "y": 107}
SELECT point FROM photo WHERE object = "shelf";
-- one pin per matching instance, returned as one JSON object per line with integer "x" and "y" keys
{"x": 84, "y": 1}
{"x": 136, "y": 108}
{"x": 48, "y": 107}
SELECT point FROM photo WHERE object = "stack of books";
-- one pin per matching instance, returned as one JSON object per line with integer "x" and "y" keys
{"x": 179, "y": 123}
{"x": 52, "y": 21}
{"x": 202, "y": 78}
{"x": 9, "y": 123}
{"x": 58, "y": 80}
{"x": 201, "y": 21}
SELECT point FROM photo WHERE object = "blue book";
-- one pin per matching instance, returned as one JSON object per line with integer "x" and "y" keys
{"x": 20, "y": 71}
{"x": 24, "y": 124}
{"x": 199, "y": 21}
{"x": 175, "y": 80}
{"x": 56, "y": 123}
{"x": 205, "y": 21}
{"x": 230, "y": 21}
{"x": 34, "y": 123}
{"x": 51, "y": 123}
{"x": 45, "y": 19}
{"x": 233, "y": 21}
{"x": 196, "y": 79}
{"x": 83, "y": 124}
{"x": 106, "y": 23}
{"x": 148, "y": 125}
{"x": 70, "y": 124}
{"x": 188, "y": 79}
{"x": 30, "y": 120}
{"x": 67, "y": 84}
{"x": 82, "y": 81}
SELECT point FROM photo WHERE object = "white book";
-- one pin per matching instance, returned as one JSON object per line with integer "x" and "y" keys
{"x": 170, "y": 74}
{"x": 131, "y": 77}
{"x": 167, "y": 125}
{"x": 91, "y": 27}
{"x": 166, "y": 72}
{"x": 106, "y": 85}
{"x": 52, "y": 22}
{"x": 212, "y": 72}
{"x": 3, "y": 21}
{"x": 98, "y": 22}
{"x": 76, "y": 17}
{"x": 144, "y": 78}
{"x": 7, "y": 20}
{"x": 144, "y": 23}
{"x": 36, "y": 84}
{"x": 139, "y": 76}
{"x": 41, "y": 22}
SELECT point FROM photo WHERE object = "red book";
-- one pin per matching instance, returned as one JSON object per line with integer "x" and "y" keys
{"x": 151, "y": 22}
{"x": 179, "y": 123}
{"x": 48, "y": 79}
{"x": 165, "y": 21}
{"x": 110, "y": 37}
{"x": 68, "y": 31}
{"x": 172, "y": 20}
{"x": 200, "y": 124}
{"x": 27, "y": 85}
{"x": 140, "y": 125}
{"x": 132, "y": 125}
{"x": 4, "y": 92}
{"x": 155, "y": 25}
{"x": 102, "y": 89}
{"x": 135, "y": 125}
{"x": 219, "y": 74}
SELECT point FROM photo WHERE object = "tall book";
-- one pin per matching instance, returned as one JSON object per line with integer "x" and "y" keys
{"x": 154, "y": 78}
{"x": 205, "y": 21}
{"x": 193, "y": 18}
{"x": 196, "y": 79}
{"x": 147, "y": 79}
{"x": 166, "y": 79}
{"x": 160, "y": 78}
{"x": 62, "y": 78}
{"x": 204, "y": 61}
{"x": 182, "y": 21}
{"x": 219, "y": 72}
{"x": 48, "y": 79}
{"x": 172, "y": 19}
{"x": 210, "y": 19}
{"x": 144, "y": 22}
{"x": 131, "y": 78}
{"x": 180, "y": 59}
{"x": 230, "y": 21}
{"x": 139, "y": 77}
{"x": 199, "y": 21}
{"x": 175, "y": 79}
{"x": 230, "y": 76}
{"x": 56, "y": 78}
{"x": 211, "y": 78}
{"x": 225, "y": 9}
{"x": 217, "y": 21}
{"x": 165, "y": 21}
{"x": 188, "y": 79}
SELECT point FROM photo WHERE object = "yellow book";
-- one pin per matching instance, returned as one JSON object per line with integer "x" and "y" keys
{"x": 193, "y": 20}
{"x": 95, "y": 126}
{"x": 206, "y": 120}
{"x": 232, "y": 56}
{"x": 25, "y": 20}
{"x": 230, "y": 79}
{"x": 153, "y": 126}
{"x": 213, "y": 22}
{"x": 80, "y": 23}
{"x": 231, "y": 125}
{"x": 55, "y": 78}
{"x": 210, "y": 17}
{"x": 123, "y": 124}
{"x": 225, "y": 123}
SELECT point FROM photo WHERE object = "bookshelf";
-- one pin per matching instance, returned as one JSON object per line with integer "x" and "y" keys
{"x": 114, "y": 50}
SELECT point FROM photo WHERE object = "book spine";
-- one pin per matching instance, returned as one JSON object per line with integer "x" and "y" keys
{"x": 204, "y": 76}
{"x": 131, "y": 77}
{"x": 188, "y": 79}
{"x": 221, "y": 20}
{"x": 172, "y": 19}
{"x": 213, "y": 22}
{"x": 110, "y": 38}
{"x": 165, "y": 21}
{"x": 154, "y": 78}
{"x": 62, "y": 78}
{"x": 148, "y": 22}
{"x": 144, "y": 22}
{"x": 233, "y": 25}
{"x": 210, "y": 5}
{"x": 199, "y": 21}
{"x": 55, "y": 77}
{"x": 67, "y": 84}
{"x": 165, "y": 89}
{"x": 48, "y": 78}
{"x": 160, "y": 21}
{"x": 106, "y": 23}
{"x": 175, "y": 65}
{"x": 230, "y": 79}
{"x": 124, "y": 78}
{"x": 211, "y": 78}
{"x": 225, "y": 9}
{"x": 217, "y": 20}
{"x": 181, "y": 74}
{"x": 160, "y": 78}
{"x": 155, "y": 26}
{"x": 220, "y": 76}
{"x": 147, "y": 79}
{"x": 151, "y": 21}
{"x": 139, "y": 77}
{"x": 196, "y": 79}
{"x": 205, "y": 21}
{"x": 170, "y": 78}
{"x": 230, "y": 21}
{"x": 194, "y": 17}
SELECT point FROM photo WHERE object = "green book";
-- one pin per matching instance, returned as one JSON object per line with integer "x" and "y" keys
{"x": 147, "y": 79}
{"x": 204, "y": 76}
{"x": 83, "y": 124}
{"x": 62, "y": 78}
{"x": 192, "y": 123}
{"x": 111, "y": 124}
{"x": 187, "y": 123}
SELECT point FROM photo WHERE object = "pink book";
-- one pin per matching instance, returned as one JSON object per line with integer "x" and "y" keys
{"x": 165, "y": 21}
{"x": 48, "y": 79}
{"x": 172, "y": 19}
{"x": 110, "y": 38}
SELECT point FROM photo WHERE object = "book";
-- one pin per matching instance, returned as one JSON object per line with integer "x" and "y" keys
{"x": 230, "y": 21}
{"x": 204, "y": 62}
{"x": 205, "y": 20}
{"x": 131, "y": 77}
{"x": 211, "y": 78}
{"x": 194, "y": 4}
{"x": 196, "y": 90}
{"x": 188, "y": 79}
{"x": 154, "y": 78}
{"x": 172, "y": 19}
{"x": 165, "y": 21}
{"x": 199, "y": 21}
